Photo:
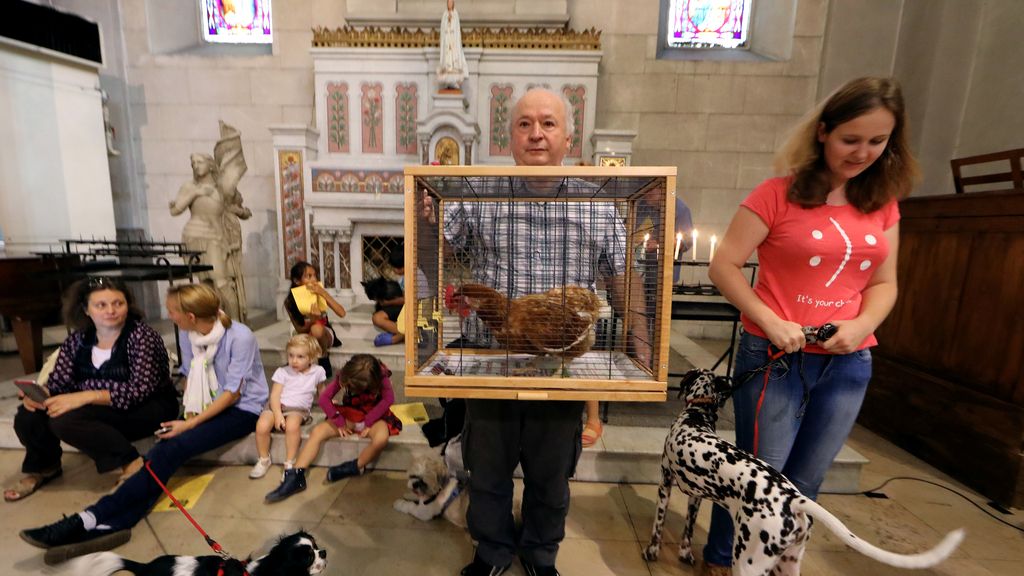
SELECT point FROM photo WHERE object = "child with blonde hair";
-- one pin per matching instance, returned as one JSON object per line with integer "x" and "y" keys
{"x": 291, "y": 397}
{"x": 364, "y": 412}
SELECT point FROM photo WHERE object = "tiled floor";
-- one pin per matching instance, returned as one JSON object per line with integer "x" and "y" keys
{"x": 607, "y": 526}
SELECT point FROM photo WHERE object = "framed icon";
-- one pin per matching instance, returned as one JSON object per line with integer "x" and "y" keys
{"x": 612, "y": 160}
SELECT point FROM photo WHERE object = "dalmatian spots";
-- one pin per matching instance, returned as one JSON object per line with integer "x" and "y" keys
{"x": 773, "y": 519}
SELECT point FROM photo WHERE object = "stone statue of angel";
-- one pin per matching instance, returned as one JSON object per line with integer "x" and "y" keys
{"x": 214, "y": 227}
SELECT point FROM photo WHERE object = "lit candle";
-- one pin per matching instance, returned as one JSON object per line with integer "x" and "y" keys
{"x": 694, "y": 236}
{"x": 679, "y": 243}
{"x": 714, "y": 240}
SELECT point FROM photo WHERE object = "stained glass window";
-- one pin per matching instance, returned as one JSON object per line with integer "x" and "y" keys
{"x": 237, "y": 21}
{"x": 708, "y": 23}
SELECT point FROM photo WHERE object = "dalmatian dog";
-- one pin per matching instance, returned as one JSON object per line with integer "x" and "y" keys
{"x": 772, "y": 518}
{"x": 437, "y": 486}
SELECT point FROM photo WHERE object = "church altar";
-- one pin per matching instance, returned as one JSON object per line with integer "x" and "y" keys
{"x": 379, "y": 107}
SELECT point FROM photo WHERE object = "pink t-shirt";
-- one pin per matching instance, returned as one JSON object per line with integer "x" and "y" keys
{"x": 815, "y": 262}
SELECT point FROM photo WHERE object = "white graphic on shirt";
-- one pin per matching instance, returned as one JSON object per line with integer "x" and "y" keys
{"x": 846, "y": 256}
{"x": 815, "y": 260}
{"x": 870, "y": 239}
{"x": 865, "y": 265}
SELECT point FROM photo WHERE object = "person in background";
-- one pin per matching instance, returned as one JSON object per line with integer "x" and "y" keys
{"x": 827, "y": 231}
{"x": 316, "y": 323}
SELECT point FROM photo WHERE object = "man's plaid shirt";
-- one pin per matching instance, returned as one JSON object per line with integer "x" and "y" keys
{"x": 525, "y": 247}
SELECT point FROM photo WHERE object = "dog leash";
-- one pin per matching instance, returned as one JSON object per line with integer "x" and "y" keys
{"x": 213, "y": 544}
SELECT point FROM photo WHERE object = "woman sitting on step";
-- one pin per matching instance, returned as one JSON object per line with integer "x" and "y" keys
{"x": 111, "y": 385}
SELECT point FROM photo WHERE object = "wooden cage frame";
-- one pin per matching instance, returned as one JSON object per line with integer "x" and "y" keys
{"x": 541, "y": 388}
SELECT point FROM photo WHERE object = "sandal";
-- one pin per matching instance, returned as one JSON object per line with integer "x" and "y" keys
{"x": 29, "y": 484}
{"x": 592, "y": 433}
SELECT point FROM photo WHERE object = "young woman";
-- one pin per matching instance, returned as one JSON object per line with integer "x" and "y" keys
{"x": 826, "y": 235}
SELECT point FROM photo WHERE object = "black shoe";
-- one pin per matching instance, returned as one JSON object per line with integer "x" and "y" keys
{"x": 480, "y": 568}
{"x": 534, "y": 570}
{"x": 343, "y": 470}
{"x": 68, "y": 538}
{"x": 294, "y": 482}
{"x": 103, "y": 541}
{"x": 67, "y": 530}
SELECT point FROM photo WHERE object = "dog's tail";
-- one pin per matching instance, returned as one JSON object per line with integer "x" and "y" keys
{"x": 100, "y": 564}
{"x": 919, "y": 560}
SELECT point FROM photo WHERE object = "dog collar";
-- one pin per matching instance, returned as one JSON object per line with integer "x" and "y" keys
{"x": 451, "y": 497}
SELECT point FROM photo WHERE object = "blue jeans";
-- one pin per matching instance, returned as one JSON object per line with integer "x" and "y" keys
{"x": 799, "y": 440}
{"x": 132, "y": 500}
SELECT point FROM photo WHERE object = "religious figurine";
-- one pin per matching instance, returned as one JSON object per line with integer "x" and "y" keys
{"x": 216, "y": 207}
{"x": 452, "y": 69}
{"x": 108, "y": 127}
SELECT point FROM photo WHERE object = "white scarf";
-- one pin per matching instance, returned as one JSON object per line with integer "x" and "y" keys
{"x": 202, "y": 385}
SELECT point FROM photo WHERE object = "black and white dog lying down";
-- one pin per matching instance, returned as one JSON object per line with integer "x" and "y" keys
{"x": 772, "y": 518}
{"x": 293, "y": 555}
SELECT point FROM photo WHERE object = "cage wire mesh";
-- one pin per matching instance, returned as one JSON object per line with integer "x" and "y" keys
{"x": 540, "y": 277}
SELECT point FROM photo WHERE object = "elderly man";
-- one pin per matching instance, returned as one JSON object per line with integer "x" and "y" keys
{"x": 508, "y": 248}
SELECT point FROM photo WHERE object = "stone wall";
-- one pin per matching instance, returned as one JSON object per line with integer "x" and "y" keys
{"x": 718, "y": 122}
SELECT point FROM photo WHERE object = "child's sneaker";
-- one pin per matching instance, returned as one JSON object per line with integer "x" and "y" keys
{"x": 383, "y": 339}
{"x": 260, "y": 469}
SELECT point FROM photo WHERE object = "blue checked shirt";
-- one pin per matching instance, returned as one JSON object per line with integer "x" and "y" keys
{"x": 526, "y": 247}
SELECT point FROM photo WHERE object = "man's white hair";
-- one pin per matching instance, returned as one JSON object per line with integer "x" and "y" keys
{"x": 570, "y": 122}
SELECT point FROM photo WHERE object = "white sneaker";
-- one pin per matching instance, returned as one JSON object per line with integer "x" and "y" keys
{"x": 260, "y": 469}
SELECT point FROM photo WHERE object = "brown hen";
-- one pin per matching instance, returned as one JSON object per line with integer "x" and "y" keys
{"x": 559, "y": 322}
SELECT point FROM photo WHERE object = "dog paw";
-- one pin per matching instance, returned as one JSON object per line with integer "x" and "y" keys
{"x": 651, "y": 552}
{"x": 686, "y": 557}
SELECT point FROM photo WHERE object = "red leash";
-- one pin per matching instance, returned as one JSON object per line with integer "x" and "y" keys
{"x": 209, "y": 540}
{"x": 764, "y": 387}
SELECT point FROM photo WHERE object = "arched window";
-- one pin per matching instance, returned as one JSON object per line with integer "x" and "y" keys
{"x": 750, "y": 30}
{"x": 707, "y": 23}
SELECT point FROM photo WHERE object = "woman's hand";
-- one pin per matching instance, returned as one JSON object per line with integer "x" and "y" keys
{"x": 785, "y": 335}
{"x": 63, "y": 403}
{"x": 848, "y": 337}
{"x": 30, "y": 404}
{"x": 176, "y": 427}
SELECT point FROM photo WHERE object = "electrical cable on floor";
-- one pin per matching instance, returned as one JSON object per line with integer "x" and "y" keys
{"x": 874, "y": 492}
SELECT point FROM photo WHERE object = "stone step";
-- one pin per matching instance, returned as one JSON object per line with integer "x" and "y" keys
{"x": 623, "y": 454}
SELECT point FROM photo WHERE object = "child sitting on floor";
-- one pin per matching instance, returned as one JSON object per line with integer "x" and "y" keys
{"x": 291, "y": 397}
{"x": 365, "y": 411}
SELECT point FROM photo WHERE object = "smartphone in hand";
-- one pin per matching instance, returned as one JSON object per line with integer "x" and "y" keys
{"x": 162, "y": 430}
{"x": 34, "y": 391}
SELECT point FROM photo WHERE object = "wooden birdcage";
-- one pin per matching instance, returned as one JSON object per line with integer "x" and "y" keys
{"x": 538, "y": 282}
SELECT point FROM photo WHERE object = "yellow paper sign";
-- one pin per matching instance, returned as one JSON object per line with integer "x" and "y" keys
{"x": 304, "y": 300}
{"x": 411, "y": 413}
{"x": 187, "y": 490}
